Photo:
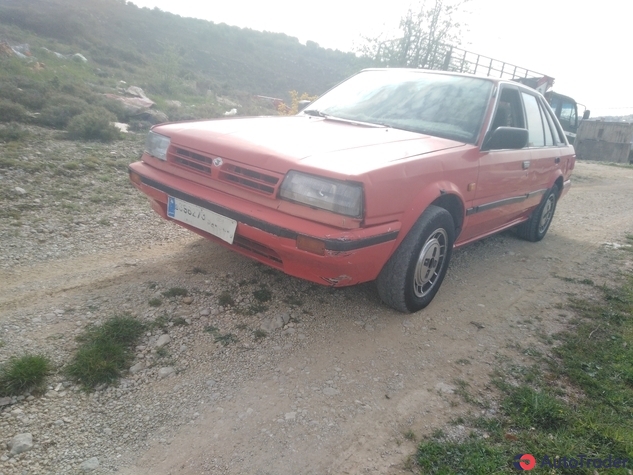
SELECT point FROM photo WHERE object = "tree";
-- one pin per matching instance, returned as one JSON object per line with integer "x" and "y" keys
{"x": 423, "y": 40}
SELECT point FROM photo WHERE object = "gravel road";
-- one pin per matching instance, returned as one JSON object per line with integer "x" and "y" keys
{"x": 331, "y": 384}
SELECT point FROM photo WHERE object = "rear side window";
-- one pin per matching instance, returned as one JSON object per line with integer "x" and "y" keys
{"x": 534, "y": 121}
{"x": 557, "y": 133}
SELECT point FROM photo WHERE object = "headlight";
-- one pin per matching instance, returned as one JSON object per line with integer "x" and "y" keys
{"x": 156, "y": 145}
{"x": 337, "y": 196}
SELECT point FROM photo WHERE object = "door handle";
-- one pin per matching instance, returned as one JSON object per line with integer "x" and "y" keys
{"x": 526, "y": 164}
{"x": 557, "y": 160}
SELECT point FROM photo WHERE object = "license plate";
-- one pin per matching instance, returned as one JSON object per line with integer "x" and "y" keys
{"x": 202, "y": 218}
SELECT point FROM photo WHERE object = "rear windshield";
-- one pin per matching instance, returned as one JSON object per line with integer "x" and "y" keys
{"x": 435, "y": 104}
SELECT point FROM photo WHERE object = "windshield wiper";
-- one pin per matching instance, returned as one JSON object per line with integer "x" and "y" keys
{"x": 315, "y": 113}
{"x": 318, "y": 113}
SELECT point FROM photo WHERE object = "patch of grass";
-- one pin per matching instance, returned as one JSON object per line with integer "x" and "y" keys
{"x": 580, "y": 402}
{"x": 225, "y": 339}
{"x": 13, "y": 133}
{"x": 162, "y": 352}
{"x": 294, "y": 301}
{"x": 410, "y": 435}
{"x": 23, "y": 374}
{"x": 94, "y": 125}
{"x": 104, "y": 222}
{"x": 225, "y": 299}
{"x": 241, "y": 326}
{"x": 162, "y": 322}
{"x": 175, "y": 292}
{"x": 179, "y": 322}
{"x": 263, "y": 294}
{"x": 199, "y": 270}
{"x": 260, "y": 334}
{"x": 155, "y": 302}
{"x": 462, "y": 391}
{"x": 462, "y": 361}
{"x": 105, "y": 351}
{"x": 211, "y": 329}
{"x": 575, "y": 280}
{"x": 470, "y": 457}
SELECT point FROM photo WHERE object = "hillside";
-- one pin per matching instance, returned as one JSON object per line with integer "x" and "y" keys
{"x": 208, "y": 67}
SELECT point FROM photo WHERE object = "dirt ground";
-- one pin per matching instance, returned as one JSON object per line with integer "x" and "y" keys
{"x": 337, "y": 388}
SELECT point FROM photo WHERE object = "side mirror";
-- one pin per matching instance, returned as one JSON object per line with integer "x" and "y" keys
{"x": 506, "y": 138}
{"x": 303, "y": 104}
{"x": 586, "y": 115}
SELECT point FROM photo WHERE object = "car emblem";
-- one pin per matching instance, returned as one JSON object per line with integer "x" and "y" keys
{"x": 217, "y": 161}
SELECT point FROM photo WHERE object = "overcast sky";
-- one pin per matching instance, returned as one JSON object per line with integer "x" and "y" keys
{"x": 586, "y": 46}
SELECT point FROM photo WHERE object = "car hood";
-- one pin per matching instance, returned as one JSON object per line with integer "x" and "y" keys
{"x": 281, "y": 143}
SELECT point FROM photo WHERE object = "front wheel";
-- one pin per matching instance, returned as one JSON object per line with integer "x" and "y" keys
{"x": 413, "y": 274}
{"x": 535, "y": 228}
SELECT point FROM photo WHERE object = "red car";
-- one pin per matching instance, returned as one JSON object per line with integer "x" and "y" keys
{"x": 379, "y": 179}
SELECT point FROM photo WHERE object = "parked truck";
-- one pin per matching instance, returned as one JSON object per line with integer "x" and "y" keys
{"x": 566, "y": 109}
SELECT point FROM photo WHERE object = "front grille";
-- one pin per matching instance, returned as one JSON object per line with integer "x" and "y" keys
{"x": 238, "y": 175}
{"x": 248, "y": 178}
{"x": 193, "y": 160}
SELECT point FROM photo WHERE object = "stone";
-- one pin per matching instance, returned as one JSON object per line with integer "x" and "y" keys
{"x": 290, "y": 416}
{"x": 272, "y": 324}
{"x": 187, "y": 300}
{"x": 205, "y": 312}
{"x": 444, "y": 388}
{"x": 20, "y": 191}
{"x": 162, "y": 340}
{"x": 166, "y": 371}
{"x": 21, "y": 443}
{"x": 330, "y": 391}
{"x": 285, "y": 317}
{"x": 89, "y": 465}
{"x": 137, "y": 367}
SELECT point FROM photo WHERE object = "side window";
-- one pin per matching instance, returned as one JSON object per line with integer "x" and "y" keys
{"x": 567, "y": 115}
{"x": 509, "y": 112}
{"x": 557, "y": 133}
{"x": 549, "y": 139}
{"x": 534, "y": 121}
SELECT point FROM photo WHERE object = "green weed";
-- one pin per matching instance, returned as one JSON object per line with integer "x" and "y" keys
{"x": 225, "y": 339}
{"x": 225, "y": 299}
{"x": 23, "y": 374}
{"x": 175, "y": 292}
{"x": 105, "y": 351}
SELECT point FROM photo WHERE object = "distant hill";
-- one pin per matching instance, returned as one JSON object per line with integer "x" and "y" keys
{"x": 153, "y": 46}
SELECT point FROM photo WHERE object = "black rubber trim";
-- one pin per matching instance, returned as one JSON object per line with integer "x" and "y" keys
{"x": 330, "y": 244}
{"x": 507, "y": 201}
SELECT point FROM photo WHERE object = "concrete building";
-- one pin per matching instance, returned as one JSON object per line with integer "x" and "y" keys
{"x": 605, "y": 141}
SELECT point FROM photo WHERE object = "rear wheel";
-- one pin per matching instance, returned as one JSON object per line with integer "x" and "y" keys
{"x": 535, "y": 228}
{"x": 413, "y": 274}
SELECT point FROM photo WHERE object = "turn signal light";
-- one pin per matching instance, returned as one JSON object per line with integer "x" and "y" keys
{"x": 310, "y": 244}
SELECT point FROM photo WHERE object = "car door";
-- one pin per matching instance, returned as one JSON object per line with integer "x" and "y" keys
{"x": 503, "y": 180}
{"x": 548, "y": 150}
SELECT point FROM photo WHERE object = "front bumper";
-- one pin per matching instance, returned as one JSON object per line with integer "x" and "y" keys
{"x": 348, "y": 256}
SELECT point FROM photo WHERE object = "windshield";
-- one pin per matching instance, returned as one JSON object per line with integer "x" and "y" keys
{"x": 435, "y": 104}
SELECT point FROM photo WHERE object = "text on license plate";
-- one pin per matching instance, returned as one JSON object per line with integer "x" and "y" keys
{"x": 202, "y": 218}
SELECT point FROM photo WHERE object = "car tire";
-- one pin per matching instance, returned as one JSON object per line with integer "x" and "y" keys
{"x": 535, "y": 228}
{"x": 414, "y": 273}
